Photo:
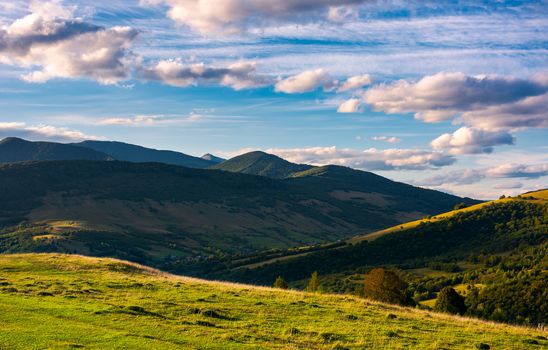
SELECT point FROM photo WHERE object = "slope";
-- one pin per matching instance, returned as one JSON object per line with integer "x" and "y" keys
{"x": 67, "y": 301}
{"x": 487, "y": 228}
{"x": 261, "y": 163}
{"x": 14, "y": 149}
{"x": 162, "y": 214}
{"x": 139, "y": 154}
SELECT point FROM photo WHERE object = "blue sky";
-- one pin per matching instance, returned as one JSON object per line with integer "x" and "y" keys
{"x": 451, "y": 95}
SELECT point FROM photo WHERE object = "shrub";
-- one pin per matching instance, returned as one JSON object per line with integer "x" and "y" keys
{"x": 313, "y": 284}
{"x": 280, "y": 283}
{"x": 386, "y": 286}
{"x": 459, "y": 206}
{"x": 450, "y": 301}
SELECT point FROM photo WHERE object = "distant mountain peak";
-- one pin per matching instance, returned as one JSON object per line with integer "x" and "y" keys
{"x": 263, "y": 164}
{"x": 212, "y": 158}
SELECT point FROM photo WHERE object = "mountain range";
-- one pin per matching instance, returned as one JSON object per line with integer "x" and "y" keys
{"x": 153, "y": 212}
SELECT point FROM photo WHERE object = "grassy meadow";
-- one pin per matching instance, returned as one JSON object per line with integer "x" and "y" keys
{"x": 53, "y": 301}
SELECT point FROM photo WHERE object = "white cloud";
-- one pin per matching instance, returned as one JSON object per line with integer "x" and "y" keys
{"x": 66, "y": 47}
{"x": 355, "y": 82}
{"x": 471, "y": 141}
{"x": 390, "y": 139}
{"x": 508, "y": 186}
{"x": 306, "y": 81}
{"x": 444, "y": 96}
{"x": 140, "y": 120}
{"x": 349, "y": 106}
{"x": 42, "y": 132}
{"x": 518, "y": 170}
{"x": 470, "y": 176}
{"x": 531, "y": 112}
{"x": 369, "y": 159}
{"x": 240, "y": 75}
{"x": 236, "y": 16}
{"x": 151, "y": 120}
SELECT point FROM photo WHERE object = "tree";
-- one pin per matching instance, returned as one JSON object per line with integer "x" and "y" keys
{"x": 313, "y": 284}
{"x": 459, "y": 206}
{"x": 280, "y": 283}
{"x": 385, "y": 285}
{"x": 450, "y": 301}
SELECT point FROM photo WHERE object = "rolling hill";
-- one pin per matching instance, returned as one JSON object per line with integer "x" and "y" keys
{"x": 13, "y": 149}
{"x": 157, "y": 214}
{"x": 68, "y": 301}
{"x": 133, "y": 153}
{"x": 261, "y": 163}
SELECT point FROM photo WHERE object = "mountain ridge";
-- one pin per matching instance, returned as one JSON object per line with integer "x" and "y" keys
{"x": 14, "y": 149}
{"x": 135, "y": 153}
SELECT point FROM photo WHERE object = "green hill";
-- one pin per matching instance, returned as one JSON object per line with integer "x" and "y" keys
{"x": 133, "y": 153}
{"x": 14, "y": 149}
{"x": 67, "y": 301}
{"x": 261, "y": 163}
{"x": 162, "y": 214}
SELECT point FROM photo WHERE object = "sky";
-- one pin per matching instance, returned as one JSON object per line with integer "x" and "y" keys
{"x": 449, "y": 95}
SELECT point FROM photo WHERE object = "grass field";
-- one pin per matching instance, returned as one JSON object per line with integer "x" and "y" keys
{"x": 52, "y": 301}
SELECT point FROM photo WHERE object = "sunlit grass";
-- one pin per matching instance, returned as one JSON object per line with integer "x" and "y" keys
{"x": 68, "y": 301}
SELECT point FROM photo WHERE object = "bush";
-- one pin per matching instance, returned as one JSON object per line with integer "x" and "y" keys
{"x": 459, "y": 206}
{"x": 450, "y": 301}
{"x": 313, "y": 284}
{"x": 280, "y": 283}
{"x": 385, "y": 285}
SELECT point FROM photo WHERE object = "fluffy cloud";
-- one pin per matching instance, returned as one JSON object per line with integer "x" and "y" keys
{"x": 65, "y": 47}
{"x": 369, "y": 159}
{"x": 235, "y": 16}
{"x": 531, "y": 112}
{"x": 306, "y": 81}
{"x": 480, "y": 100}
{"x": 42, "y": 132}
{"x": 518, "y": 170}
{"x": 470, "y": 176}
{"x": 355, "y": 82}
{"x": 390, "y": 139}
{"x": 241, "y": 75}
{"x": 471, "y": 141}
{"x": 349, "y": 106}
